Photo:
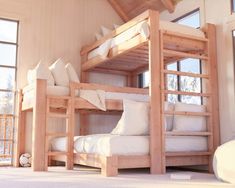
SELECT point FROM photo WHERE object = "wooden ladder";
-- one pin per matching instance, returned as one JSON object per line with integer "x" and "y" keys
{"x": 67, "y": 114}
{"x": 206, "y": 96}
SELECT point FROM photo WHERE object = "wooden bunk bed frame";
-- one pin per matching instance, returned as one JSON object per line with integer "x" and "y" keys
{"x": 130, "y": 59}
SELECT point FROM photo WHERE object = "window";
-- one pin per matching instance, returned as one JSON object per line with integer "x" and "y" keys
{"x": 182, "y": 83}
{"x": 8, "y": 57}
{"x": 233, "y": 5}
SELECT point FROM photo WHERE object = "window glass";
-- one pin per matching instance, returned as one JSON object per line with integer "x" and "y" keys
{"x": 192, "y": 20}
{"x": 233, "y": 5}
{"x": 7, "y": 78}
{"x": 8, "y": 31}
{"x": 7, "y": 54}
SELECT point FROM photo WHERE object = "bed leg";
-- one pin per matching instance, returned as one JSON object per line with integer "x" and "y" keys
{"x": 110, "y": 166}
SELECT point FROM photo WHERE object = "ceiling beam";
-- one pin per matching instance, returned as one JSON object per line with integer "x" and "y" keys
{"x": 119, "y": 10}
{"x": 169, "y": 4}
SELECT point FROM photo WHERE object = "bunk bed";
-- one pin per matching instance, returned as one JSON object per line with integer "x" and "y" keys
{"x": 159, "y": 46}
{"x": 152, "y": 48}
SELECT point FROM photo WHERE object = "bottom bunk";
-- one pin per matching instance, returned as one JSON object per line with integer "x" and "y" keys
{"x": 112, "y": 152}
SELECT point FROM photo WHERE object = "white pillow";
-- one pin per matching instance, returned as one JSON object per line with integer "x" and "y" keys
{"x": 169, "y": 118}
{"x": 105, "y": 30}
{"x": 59, "y": 73}
{"x": 98, "y": 36}
{"x": 103, "y": 49}
{"x": 41, "y": 71}
{"x": 189, "y": 123}
{"x": 223, "y": 162}
{"x": 72, "y": 73}
{"x": 134, "y": 120}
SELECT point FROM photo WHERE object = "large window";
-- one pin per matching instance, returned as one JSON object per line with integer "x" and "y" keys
{"x": 182, "y": 83}
{"x": 233, "y": 6}
{"x": 8, "y": 57}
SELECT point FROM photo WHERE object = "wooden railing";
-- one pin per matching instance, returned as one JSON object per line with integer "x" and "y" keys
{"x": 6, "y": 138}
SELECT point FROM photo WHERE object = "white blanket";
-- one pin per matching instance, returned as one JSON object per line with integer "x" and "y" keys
{"x": 95, "y": 97}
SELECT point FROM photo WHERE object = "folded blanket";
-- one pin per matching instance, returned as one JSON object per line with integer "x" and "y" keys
{"x": 95, "y": 97}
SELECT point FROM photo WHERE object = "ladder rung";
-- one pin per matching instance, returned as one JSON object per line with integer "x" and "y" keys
{"x": 186, "y": 93}
{"x": 57, "y": 115}
{"x": 58, "y": 97}
{"x": 194, "y": 153}
{"x": 189, "y": 74}
{"x": 55, "y": 153}
{"x": 179, "y": 133}
{"x": 187, "y": 113}
{"x": 184, "y": 54}
{"x": 57, "y": 134}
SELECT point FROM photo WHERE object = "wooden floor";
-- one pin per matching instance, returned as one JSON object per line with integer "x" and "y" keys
{"x": 58, "y": 177}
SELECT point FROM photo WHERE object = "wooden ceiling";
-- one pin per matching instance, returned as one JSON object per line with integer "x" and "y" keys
{"x": 128, "y": 9}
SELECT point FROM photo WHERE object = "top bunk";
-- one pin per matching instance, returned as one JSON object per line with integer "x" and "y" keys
{"x": 126, "y": 49}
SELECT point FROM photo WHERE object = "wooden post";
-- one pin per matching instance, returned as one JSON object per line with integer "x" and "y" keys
{"x": 109, "y": 166}
{"x": 83, "y": 117}
{"x": 214, "y": 101}
{"x": 157, "y": 164}
{"x": 70, "y": 128}
{"x": 39, "y": 126}
{"x": 19, "y": 145}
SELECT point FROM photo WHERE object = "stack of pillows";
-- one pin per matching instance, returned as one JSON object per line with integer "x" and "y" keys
{"x": 135, "y": 118}
{"x": 58, "y": 74}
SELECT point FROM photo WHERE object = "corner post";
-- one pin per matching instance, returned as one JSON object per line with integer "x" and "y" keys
{"x": 39, "y": 126}
{"x": 19, "y": 145}
{"x": 157, "y": 155}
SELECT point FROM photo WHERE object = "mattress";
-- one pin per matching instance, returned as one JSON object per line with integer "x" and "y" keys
{"x": 108, "y": 144}
{"x": 64, "y": 91}
{"x": 142, "y": 28}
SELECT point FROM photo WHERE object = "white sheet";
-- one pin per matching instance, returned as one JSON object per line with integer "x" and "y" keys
{"x": 107, "y": 144}
{"x": 143, "y": 29}
{"x": 96, "y": 97}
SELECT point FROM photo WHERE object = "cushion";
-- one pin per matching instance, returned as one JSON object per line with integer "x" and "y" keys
{"x": 169, "y": 118}
{"x": 189, "y": 123}
{"x": 41, "y": 71}
{"x": 59, "y": 73}
{"x": 73, "y": 77}
{"x": 105, "y": 30}
{"x": 223, "y": 162}
{"x": 134, "y": 119}
{"x": 98, "y": 36}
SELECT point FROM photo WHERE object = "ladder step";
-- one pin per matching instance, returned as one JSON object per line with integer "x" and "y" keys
{"x": 186, "y": 93}
{"x": 194, "y": 153}
{"x": 56, "y": 115}
{"x": 189, "y": 74}
{"x": 55, "y": 153}
{"x": 178, "y": 133}
{"x": 187, "y": 113}
{"x": 184, "y": 54}
{"x": 58, "y": 97}
{"x": 57, "y": 134}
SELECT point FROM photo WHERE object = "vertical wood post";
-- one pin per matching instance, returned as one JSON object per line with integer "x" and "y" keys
{"x": 214, "y": 102}
{"x": 19, "y": 144}
{"x": 39, "y": 126}
{"x": 157, "y": 164}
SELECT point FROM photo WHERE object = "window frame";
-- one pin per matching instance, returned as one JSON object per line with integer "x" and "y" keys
{"x": 13, "y": 90}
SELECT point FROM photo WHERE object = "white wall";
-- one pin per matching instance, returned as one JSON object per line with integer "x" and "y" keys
{"x": 219, "y": 13}
{"x": 49, "y": 29}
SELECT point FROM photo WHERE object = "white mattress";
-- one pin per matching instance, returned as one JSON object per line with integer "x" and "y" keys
{"x": 143, "y": 29}
{"x": 108, "y": 144}
{"x": 64, "y": 91}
